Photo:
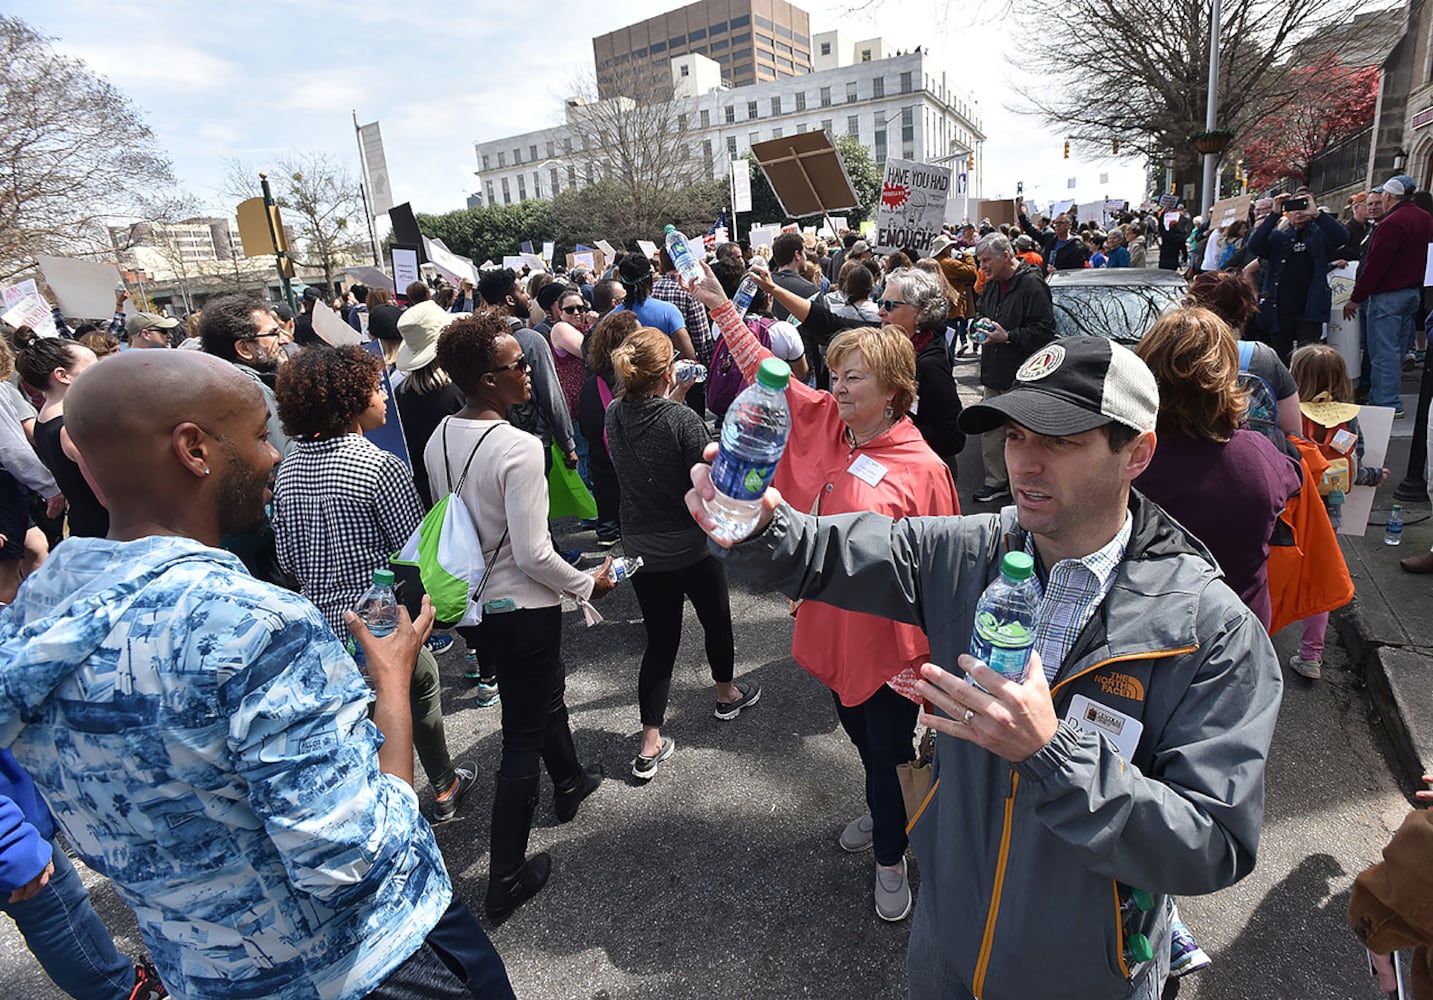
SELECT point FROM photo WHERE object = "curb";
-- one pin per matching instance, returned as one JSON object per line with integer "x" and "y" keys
{"x": 1398, "y": 680}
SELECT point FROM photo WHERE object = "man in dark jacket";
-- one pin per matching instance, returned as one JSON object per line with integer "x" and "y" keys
{"x": 1017, "y": 300}
{"x": 1062, "y": 250}
{"x": 1296, "y": 299}
{"x": 1391, "y": 280}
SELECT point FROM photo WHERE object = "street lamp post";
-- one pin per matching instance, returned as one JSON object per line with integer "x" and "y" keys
{"x": 1211, "y": 111}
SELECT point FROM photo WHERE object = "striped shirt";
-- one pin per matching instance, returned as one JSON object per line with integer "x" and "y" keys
{"x": 1070, "y": 594}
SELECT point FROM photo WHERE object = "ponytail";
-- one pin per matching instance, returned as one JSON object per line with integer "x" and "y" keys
{"x": 641, "y": 361}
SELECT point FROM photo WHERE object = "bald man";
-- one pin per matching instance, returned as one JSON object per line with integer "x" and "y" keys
{"x": 203, "y": 738}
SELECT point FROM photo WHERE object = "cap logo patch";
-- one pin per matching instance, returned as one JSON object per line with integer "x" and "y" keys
{"x": 1041, "y": 363}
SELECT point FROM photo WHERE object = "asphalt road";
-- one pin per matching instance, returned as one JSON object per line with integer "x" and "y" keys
{"x": 722, "y": 877}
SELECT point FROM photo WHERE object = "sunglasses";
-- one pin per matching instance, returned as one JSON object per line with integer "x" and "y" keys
{"x": 889, "y": 305}
{"x": 520, "y": 364}
{"x": 574, "y": 310}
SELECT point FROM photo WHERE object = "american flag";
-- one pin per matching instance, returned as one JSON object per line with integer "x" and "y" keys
{"x": 717, "y": 233}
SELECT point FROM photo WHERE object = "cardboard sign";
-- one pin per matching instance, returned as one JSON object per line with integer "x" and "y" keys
{"x": 405, "y": 268}
{"x": 1376, "y": 423}
{"x": 34, "y": 312}
{"x": 255, "y": 236}
{"x": 585, "y": 259}
{"x": 1004, "y": 210}
{"x": 15, "y": 294}
{"x": 1168, "y": 200}
{"x": 807, "y": 174}
{"x": 84, "y": 288}
{"x": 331, "y": 328}
{"x": 1223, "y": 214}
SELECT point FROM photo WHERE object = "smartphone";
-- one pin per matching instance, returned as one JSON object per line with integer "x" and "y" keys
{"x": 1296, "y": 204}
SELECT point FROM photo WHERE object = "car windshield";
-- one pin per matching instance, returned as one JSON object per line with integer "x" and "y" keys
{"x": 1123, "y": 313}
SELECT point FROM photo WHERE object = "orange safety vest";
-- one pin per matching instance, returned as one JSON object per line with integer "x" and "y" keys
{"x": 1308, "y": 576}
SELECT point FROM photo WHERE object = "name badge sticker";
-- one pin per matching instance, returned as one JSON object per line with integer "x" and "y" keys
{"x": 1123, "y": 731}
{"x": 867, "y": 470}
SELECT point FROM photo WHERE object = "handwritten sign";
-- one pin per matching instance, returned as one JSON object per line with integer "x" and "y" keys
{"x": 912, "y": 206}
{"x": 34, "y": 312}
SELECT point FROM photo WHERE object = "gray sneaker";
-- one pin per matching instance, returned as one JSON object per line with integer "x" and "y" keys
{"x": 858, "y": 833}
{"x": 1312, "y": 669}
{"x": 893, "y": 894}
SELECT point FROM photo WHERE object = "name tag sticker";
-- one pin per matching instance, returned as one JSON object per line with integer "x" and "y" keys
{"x": 867, "y": 470}
{"x": 1343, "y": 441}
{"x": 1123, "y": 731}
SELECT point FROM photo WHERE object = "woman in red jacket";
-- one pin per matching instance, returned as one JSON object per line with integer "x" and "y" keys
{"x": 856, "y": 449}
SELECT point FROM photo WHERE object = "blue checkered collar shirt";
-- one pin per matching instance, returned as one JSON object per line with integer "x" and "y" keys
{"x": 1070, "y": 593}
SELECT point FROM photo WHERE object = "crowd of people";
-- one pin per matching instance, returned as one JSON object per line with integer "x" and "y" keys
{"x": 190, "y": 699}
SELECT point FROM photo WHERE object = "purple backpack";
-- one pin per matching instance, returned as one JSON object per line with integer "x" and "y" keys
{"x": 724, "y": 379}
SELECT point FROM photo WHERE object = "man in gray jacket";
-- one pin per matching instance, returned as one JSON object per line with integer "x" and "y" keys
{"x": 1128, "y": 766}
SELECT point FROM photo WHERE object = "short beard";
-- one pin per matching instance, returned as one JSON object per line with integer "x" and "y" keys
{"x": 240, "y": 496}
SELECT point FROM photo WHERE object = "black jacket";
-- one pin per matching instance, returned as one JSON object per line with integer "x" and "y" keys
{"x": 1028, "y": 316}
{"x": 1072, "y": 255}
{"x": 938, "y": 406}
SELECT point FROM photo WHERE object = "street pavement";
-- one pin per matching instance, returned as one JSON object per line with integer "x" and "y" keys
{"x": 722, "y": 877}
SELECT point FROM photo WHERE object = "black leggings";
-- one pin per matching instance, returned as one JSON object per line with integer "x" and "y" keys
{"x": 883, "y": 729}
{"x": 661, "y": 596}
{"x": 526, "y": 650}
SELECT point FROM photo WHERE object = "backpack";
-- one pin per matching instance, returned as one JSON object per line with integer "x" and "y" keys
{"x": 724, "y": 378}
{"x": 1336, "y": 445}
{"x": 1263, "y": 415}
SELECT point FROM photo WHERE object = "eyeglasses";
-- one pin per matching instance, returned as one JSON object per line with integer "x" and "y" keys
{"x": 275, "y": 332}
{"x": 574, "y": 310}
{"x": 520, "y": 364}
{"x": 889, "y": 305}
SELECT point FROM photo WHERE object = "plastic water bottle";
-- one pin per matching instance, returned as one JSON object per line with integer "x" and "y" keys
{"x": 1005, "y": 617}
{"x": 1336, "y": 500}
{"x": 622, "y": 567}
{"x": 379, "y": 607}
{"x": 745, "y": 293}
{"x": 1393, "y": 530}
{"x": 753, "y": 436}
{"x": 687, "y": 263}
{"x": 691, "y": 371}
{"x": 980, "y": 330}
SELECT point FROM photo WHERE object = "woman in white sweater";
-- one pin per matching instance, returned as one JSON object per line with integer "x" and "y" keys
{"x": 505, "y": 490}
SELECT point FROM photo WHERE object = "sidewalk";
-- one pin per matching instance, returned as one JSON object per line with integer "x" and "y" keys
{"x": 1389, "y": 626}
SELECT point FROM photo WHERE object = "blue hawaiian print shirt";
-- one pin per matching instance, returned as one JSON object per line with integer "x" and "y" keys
{"x": 204, "y": 742}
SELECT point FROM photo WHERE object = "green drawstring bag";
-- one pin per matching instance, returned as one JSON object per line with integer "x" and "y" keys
{"x": 567, "y": 494}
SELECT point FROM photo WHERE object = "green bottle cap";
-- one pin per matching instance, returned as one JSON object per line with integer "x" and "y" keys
{"x": 1017, "y": 566}
{"x": 1139, "y": 948}
{"x": 1398, "y": 506}
{"x": 1143, "y": 899}
{"x": 670, "y": 229}
{"x": 383, "y": 578}
{"x": 774, "y": 374}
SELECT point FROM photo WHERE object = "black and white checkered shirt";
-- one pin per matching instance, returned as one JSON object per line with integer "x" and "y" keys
{"x": 342, "y": 507}
{"x": 699, "y": 327}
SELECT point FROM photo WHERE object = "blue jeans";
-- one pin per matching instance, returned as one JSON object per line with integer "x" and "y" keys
{"x": 67, "y": 937}
{"x": 1390, "y": 326}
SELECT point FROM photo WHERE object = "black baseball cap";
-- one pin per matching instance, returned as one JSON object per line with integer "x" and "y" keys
{"x": 1070, "y": 386}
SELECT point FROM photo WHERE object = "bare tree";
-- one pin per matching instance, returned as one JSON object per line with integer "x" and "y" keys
{"x": 73, "y": 150}
{"x": 1153, "y": 98}
{"x": 320, "y": 200}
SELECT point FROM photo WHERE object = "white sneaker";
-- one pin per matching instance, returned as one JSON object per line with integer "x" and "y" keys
{"x": 1312, "y": 669}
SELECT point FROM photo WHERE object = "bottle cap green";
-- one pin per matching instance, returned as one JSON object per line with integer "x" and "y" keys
{"x": 774, "y": 374}
{"x": 1017, "y": 566}
{"x": 383, "y": 578}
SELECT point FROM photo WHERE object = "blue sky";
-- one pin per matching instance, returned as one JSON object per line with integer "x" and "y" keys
{"x": 253, "y": 81}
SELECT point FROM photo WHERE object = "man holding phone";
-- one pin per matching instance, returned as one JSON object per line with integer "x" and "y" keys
{"x": 1296, "y": 299}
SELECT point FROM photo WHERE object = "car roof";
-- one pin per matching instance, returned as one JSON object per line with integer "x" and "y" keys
{"x": 1117, "y": 276}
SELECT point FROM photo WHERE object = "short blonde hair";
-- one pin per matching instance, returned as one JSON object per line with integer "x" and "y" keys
{"x": 889, "y": 355}
{"x": 1195, "y": 361}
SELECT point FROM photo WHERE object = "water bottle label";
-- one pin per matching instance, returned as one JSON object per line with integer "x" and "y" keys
{"x": 741, "y": 479}
{"x": 1003, "y": 647}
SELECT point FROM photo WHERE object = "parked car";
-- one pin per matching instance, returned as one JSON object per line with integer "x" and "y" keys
{"x": 1121, "y": 303}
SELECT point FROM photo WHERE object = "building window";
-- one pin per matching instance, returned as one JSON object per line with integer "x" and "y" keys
{"x": 742, "y": 38}
{"x": 686, "y": 70}
{"x": 878, "y": 87}
{"x": 826, "y": 125}
{"x": 516, "y": 155}
{"x": 552, "y": 175}
{"x": 762, "y": 22}
{"x": 785, "y": 64}
{"x": 740, "y": 22}
{"x": 707, "y": 155}
{"x": 678, "y": 41}
{"x": 851, "y": 92}
{"x": 825, "y": 48}
{"x": 731, "y": 146}
{"x": 536, "y": 185}
{"x": 532, "y": 152}
{"x": 825, "y": 97}
{"x": 491, "y": 199}
{"x": 507, "y": 193}
{"x": 905, "y": 83}
{"x": 700, "y": 50}
{"x": 776, "y": 133}
{"x": 502, "y": 158}
{"x": 571, "y": 175}
{"x": 640, "y": 54}
{"x": 717, "y": 28}
{"x": 720, "y": 44}
{"x": 801, "y": 100}
{"x": 803, "y": 40}
{"x": 750, "y": 110}
{"x": 706, "y": 118}
{"x": 485, "y": 165}
{"x": 853, "y": 126}
{"x": 908, "y": 125}
{"x": 783, "y": 31}
{"x": 776, "y": 105}
{"x": 730, "y": 113}
{"x": 865, "y": 55}
{"x": 880, "y": 145}
{"x": 783, "y": 47}
{"x": 753, "y": 138}
{"x": 696, "y": 34}
{"x": 801, "y": 128}
{"x": 567, "y": 145}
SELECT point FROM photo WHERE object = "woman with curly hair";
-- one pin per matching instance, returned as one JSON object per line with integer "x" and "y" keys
{"x": 342, "y": 507}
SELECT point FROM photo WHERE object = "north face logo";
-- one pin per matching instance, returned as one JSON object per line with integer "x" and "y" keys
{"x": 1121, "y": 686}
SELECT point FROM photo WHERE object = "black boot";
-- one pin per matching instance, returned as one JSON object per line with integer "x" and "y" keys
{"x": 511, "y": 879}
{"x": 569, "y": 795}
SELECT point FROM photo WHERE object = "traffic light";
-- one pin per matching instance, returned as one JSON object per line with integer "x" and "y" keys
{"x": 970, "y": 163}
{"x": 1067, "y": 149}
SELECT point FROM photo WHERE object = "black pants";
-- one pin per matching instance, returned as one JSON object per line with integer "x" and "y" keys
{"x": 1294, "y": 331}
{"x": 883, "y": 729}
{"x": 457, "y": 960}
{"x": 661, "y": 595}
{"x": 526, "y": 650}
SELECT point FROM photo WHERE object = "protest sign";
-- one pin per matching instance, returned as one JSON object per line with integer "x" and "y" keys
{"x": 1092, "y": 211}
{"x": 548, "y": 247}
{"x": 1345, "y": 334}
{"x": 405, "y": 226}
{"x": 648, "y": 248}
{"x": 15, "y": 294}
{"x": 34, "y": 312}
{"x": 740, "y": 186}
{"x": 1004, "y": 210}
{"x": 868, "y": 230}
{"x": 84, "y": 288}
{"x": 534, "y": 262}
{"x": 1168, "y": 200}
{"x": 762, "y": 235}
{"x": 405, "y": 267}
{"x": 513, "y": 262}
{"x": 806, "y": 173}
{"x": 1428, "y": 267}
{"x": 1376, "y": 425}
{"x": 1224, "y": 213}
{"x": 586, "y": 258}
{"x": 452, "y": 266}
{"x": 331, "y": 328}
{"x": 607, "y": 251}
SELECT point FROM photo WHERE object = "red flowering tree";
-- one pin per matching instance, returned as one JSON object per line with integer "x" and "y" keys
{"x": 1330, "y": 103}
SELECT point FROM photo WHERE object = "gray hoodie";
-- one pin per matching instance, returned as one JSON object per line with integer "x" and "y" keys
{"x": 1028, "y": 870}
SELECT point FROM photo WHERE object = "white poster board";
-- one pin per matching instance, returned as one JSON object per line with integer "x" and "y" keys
{"x": 912, "y": 206}
{"x": 647, "y": 247}
{"x": 1428, "y": 267}
{"x": 15, "y": 294}
{"x": 513, "y": 262}
{"x": 740, "y": 186}
{"x": 452, "y": 266}
{"x": 606, "y": 248}
{"x": 330, "y": 327}
{"x": 405, "y": 268}
{"x": 1376, "y": 424}
{"x": 1345, "y": 334}
{"x": 585, "y": 259}
{"x": 84, "y": 288}
{"x": 34, "y": 312}
{"x": 534, "y": 262}
{"x": 761, "y": 236}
